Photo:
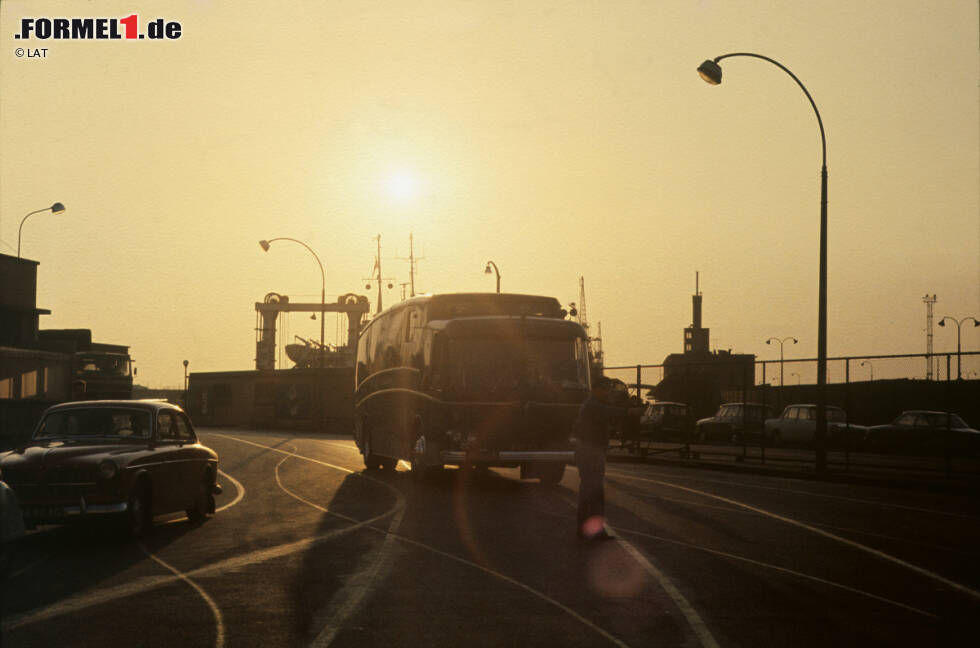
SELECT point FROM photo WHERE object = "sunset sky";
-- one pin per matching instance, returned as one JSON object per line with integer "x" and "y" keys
{"x": 559, "y": 139}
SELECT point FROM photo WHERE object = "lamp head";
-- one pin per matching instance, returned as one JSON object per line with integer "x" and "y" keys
{"x": 57, "y": 208}
{"x": 942, "y": 322}
{"x": 488, "y": 270}
{"x": 769, "y": 341}
{"x": 265, "y": 245}
{"x": 795, "y": 341}
{"x": 710, "y": 72}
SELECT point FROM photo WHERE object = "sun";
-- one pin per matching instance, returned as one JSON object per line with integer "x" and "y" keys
{"x": 402, "y": 186}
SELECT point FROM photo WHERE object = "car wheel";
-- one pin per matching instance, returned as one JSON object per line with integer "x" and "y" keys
{"x": 203, "y": 501}
{"x": 139, "y": 519}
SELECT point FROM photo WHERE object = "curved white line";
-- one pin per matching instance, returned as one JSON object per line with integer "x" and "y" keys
{"x": 851, "y": 543}
{"x": 691, "y": 615}
{"x": 693, "y": 618}
{"x": 238, "y": 486}
{"x": 360, "y": 586}
{"x": 791, "y": 572}
{"x": 725, "y": 554}
{"x": 730, "y": 509}
{"x": 857, "y": 500}
{"x": 219, "y": 623}
{"x": 98, "y": 597}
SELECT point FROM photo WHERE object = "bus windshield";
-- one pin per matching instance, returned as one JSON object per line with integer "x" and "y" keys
{"x": 502, "y": 369}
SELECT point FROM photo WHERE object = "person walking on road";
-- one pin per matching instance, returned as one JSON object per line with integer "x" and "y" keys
{"x": 593, "y": 426}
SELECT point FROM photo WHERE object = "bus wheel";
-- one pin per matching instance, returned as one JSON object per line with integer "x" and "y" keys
{"x": 371, "y": 460}
{"x": 551, "y": 474}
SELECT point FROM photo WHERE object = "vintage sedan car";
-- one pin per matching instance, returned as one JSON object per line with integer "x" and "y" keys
{"x": 734, "y": 422}
{"x": 797, "y": 425}
{"x": 925, "y": 432}
{"x": 666, "y": 421}
{"x": 125, "y": 460}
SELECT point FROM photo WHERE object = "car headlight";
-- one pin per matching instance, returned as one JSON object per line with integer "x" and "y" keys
{"x": 108, "y": 468}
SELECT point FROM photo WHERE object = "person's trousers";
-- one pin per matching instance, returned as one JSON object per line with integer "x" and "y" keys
{"x": 591, "y": 461}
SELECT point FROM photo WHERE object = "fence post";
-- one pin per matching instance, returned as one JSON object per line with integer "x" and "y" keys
{"x": 765, "y": 392}
{"x": 847, "y": 410}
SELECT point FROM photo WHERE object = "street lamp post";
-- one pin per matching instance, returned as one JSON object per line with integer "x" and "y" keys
{"x": 942, "y": 322}
{"x": 56, "y": 208}
{"x": 797, "y": 377}
{"x": 781, "y": 342}
{"x": 323, "y": 284}
{"x": 710, "y": 71}
{"x": 871, "y": 367}
{"x": 186, "y": 405}
{"x": 495, "y": 269}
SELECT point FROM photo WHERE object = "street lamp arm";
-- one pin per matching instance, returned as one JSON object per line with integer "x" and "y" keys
{"x": 286, "y": 238}
{"x": 323, "y": 284}
{"x": 56, "y": 208}
{"x": 823, "y": 137}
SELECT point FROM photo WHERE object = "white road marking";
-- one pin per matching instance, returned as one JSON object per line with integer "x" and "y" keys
{"x": 81, "y": 602}
{"x": 347, "y": 599}
{"x": 219, "y": 623}
{"x": 851, "y": 543}
{"x": 842, "y": 498}
{"x": 238, "y": 486}
{"x": 732, "y": 509}
{"x": 791, "y": 572}
{"x": 694, "y": 620}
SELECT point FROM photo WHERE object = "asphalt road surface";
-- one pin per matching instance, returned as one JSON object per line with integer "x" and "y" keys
{"x": 308, "y": 549}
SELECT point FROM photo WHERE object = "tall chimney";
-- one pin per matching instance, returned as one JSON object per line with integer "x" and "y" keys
{"x": 696, "y": 324}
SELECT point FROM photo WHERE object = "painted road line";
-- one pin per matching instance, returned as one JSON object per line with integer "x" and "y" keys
{"x": 826, "y": 534}
{"x": 219, "y": 640}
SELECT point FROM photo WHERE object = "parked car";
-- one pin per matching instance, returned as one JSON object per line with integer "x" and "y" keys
{"x": 797, "y": 425}
{"x": 124, "y": 460}
{"x": 666, "y": 421}
{"x": 734, "y": 422}
{"x": 925, "y": 432}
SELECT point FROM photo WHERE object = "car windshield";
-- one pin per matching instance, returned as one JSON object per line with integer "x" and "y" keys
{"x": 95, "y": 422}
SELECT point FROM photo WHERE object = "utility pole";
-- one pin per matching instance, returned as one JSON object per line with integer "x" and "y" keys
{"x": 377, "y": 274}
{"x": 929, "y": 300}
{"x": 412, "y": 260}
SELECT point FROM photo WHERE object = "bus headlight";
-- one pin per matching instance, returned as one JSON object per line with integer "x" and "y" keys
{"x": 108, "y": 468}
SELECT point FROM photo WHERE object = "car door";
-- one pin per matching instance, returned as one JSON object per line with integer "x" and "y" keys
{"x": 189, "y": 467}
{"x": 166, "y": 494}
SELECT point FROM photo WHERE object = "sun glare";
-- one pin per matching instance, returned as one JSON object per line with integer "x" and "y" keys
{"x": 402, "y": 186}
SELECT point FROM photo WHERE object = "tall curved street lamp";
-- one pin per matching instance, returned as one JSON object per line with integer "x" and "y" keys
{"x": 495, "y": 269}
{"x": 323, "y": 284}
{"x": 871, "y": 367}
{"x": 959, "y": 323}
{"x": 56, "y": 208}
{"x": 781, "y": 342}
{"x": 710, "y": 71}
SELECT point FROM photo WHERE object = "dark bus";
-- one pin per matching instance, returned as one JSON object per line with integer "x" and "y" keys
{"x": 471, "y": 379}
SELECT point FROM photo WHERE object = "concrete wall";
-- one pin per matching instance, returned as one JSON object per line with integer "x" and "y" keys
{"x": 291, "y": 399}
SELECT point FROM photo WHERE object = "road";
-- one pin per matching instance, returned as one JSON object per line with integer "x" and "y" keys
{"x": 308, "y": 549}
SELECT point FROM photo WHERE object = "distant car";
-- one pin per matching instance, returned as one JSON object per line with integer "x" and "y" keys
{"x": 797, "y": 425}
{"x": 925, "y": 432}
{"x": 667, "y": 421}
{"x": 734, "y": 422}
{"x": 125, "y": 460}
